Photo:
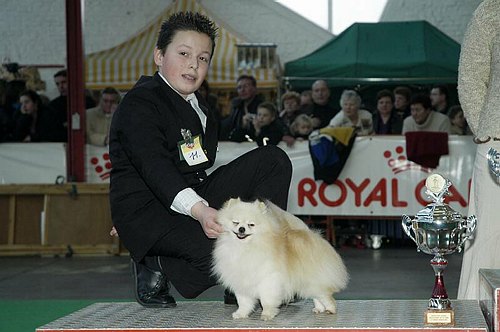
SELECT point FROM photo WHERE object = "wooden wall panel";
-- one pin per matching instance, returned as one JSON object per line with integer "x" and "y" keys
{"x": 27, "y": 224}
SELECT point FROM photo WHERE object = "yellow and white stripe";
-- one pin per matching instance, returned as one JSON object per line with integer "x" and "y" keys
{"x": 122, "y": 65}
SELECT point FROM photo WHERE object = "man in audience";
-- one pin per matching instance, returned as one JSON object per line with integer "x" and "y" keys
{"x": 439, "y": 99}
{"x": 243, "y": 107}
{"x": 402, "y": 96}
{"x": 98, "y": 119}
{"x": 322, "y": 110}
{"x": 60, "y": 105}
{"x": 423, "y": 118}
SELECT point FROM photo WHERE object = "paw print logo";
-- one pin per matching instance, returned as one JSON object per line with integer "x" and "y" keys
{"x": 102, "y": 167}
{"x": 398, "y": 163}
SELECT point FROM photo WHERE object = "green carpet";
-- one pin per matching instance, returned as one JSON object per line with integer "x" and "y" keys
{"x": 26, "y": 316}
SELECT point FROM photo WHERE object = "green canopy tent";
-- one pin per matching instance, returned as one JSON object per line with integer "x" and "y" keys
{"x": 379, "y": 53}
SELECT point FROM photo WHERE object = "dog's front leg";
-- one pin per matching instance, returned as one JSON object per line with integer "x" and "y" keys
{"x": 270, "y": 308}
{"x": 245, "y": 306}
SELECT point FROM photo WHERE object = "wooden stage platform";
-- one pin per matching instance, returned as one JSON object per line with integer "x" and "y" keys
{"x": 204, "y": 316}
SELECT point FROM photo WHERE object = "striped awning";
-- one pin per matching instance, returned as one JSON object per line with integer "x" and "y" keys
{"x": 122, "y": 65}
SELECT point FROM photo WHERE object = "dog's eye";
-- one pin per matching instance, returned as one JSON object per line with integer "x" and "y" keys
{"x": 251, "y": 225}
{"x": 235, "y": 223}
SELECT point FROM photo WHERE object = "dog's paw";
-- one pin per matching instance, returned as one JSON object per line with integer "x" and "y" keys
{"x": 318, "y": 310}
{"x": 268, "y": 313}
{"x": 239, "y": 315}
{"x": 267, "y": 316}
{"x": 331, "y": 311}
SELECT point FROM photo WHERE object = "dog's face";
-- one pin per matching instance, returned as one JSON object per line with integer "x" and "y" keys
{"x": 243, "y": 219}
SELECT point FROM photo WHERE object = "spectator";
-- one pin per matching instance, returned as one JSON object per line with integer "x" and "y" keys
{"x": 265, "y": 128}
{"x": 243, "y": 107}
{"x": 98, "y": 119}
{"x": 439, "y": 99}
{"x": 60, "y": 105}
{"x": 458, "y": 123}
{"x": 301, "y": 127}
{"x": 385, "y": 119}
{"x": 351, "y": 116}
{"x": 5, "y": 118}
{"x": 34, "y": 122}
{"x": 423, "y": 118}
{"x": 291, "y": 107}
{"x": 306, "y": 99}
{"x": 322, "y": 109}
{"x": 402, "y": 97}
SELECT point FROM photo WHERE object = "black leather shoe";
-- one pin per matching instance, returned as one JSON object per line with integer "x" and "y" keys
{"x": 229, "y": 298}
{"x": 152, "y": 288}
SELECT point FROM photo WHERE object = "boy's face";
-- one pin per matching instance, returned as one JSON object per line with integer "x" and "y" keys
{"x": 264, "y": 116}
{"x": 186, "y": 60}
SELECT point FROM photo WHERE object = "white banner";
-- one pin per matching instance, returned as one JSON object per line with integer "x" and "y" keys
{"x": 32, "y": 162}
{"x": 377, "y": 179}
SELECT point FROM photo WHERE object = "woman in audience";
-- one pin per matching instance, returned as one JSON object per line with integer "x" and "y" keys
{"x": 458, "y": 123}
{"x": 34, "y": 122}
{"x": 351, "y": 115}
{"x": 291, "y": 107}
{"x": 385, "y": 119}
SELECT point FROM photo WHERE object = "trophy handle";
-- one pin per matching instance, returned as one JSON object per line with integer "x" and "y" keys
{"x": 470, "y": 226}
{"x": 407, "y": 227}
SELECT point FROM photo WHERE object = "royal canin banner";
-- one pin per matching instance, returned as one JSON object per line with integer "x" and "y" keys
{"x": 377, "y": 179}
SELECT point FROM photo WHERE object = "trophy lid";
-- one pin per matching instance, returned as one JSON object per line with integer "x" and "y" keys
{"x": 438, "y": 212}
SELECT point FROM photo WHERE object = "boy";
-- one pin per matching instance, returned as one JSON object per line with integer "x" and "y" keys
{"x": 163, "y": 138}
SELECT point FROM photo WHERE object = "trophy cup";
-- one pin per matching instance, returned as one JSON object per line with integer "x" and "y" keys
{"x": 493, "y": 157}
{"x": 439, "y": 230}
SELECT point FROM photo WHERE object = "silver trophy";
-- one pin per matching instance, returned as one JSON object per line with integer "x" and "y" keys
{"x": 439, "y": 230}
{"x": 493, "y": 157}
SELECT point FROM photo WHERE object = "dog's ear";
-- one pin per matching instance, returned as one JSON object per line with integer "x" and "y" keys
{"x": 262, "y": 206}
{"x": 231, "y": 202}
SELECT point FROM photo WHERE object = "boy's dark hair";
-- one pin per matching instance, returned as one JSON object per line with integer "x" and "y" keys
{"x": 385, "y": 93}
{"x": 185, "y": 21}
{"x": 62, "y": 72}
{"x": 270, "y": 107}
{"x": 422, "y": 99}
{"x": 247, "y": 77}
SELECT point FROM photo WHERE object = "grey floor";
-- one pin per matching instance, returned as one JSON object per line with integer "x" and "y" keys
{"x": 386, "y": 273}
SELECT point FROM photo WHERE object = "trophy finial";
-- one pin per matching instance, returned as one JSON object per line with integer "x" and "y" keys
{"x": 437, "y": 186}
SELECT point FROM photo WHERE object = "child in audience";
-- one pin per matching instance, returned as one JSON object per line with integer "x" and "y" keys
{"x": 265, "y": 127}
{"x": 301, "y": 127}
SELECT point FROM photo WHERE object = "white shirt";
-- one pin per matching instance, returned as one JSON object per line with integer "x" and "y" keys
{"x": 186, "y": 198}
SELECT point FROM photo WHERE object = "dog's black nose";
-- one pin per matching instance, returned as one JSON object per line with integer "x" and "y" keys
{"x": 241, "y": 229}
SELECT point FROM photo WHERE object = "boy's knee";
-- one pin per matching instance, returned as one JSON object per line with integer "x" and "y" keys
{"x": 276, "y": 155}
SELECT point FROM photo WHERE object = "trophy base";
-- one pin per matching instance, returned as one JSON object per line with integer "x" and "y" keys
{"x": 439, "y": 317}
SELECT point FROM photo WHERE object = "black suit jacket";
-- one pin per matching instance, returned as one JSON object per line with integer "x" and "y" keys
{"x": 147, "y": 169}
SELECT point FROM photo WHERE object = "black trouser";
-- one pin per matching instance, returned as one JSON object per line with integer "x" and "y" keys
{"x": 185, "y": 252}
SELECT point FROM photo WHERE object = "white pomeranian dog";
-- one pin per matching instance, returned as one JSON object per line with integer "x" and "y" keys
{"x": 268, "y": 254}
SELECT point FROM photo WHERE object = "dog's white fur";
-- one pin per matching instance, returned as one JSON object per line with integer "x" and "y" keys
{"x": 270, "y": 255}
